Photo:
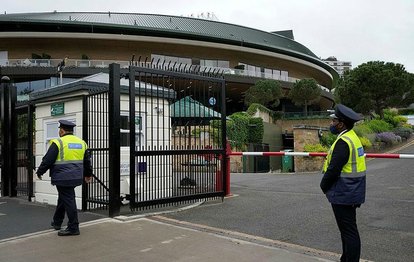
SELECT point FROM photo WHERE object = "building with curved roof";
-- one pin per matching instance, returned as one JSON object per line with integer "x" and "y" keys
{"x": 33, "y": 44}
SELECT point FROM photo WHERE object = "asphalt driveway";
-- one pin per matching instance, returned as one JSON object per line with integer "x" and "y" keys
{"x": 291, "y": 208}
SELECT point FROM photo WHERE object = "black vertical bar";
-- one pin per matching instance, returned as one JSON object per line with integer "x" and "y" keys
{"x": 30, "y": 150}
{"x": 223, "y": 135}
{"x": 85, "y": 137}
{"x": 9, "y": 183}
{"x": 132, "y": 134}
{"x": 4, "y": 177}
{"x": 13, "y": 139}
{"x": 114, "y": 140}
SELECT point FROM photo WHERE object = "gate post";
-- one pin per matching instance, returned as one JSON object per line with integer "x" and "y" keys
{"x": 85, "y": 137}
{"x": 114, "y": 140}
{"x": 8, "y": 138}
{"x": 30, "y": 111}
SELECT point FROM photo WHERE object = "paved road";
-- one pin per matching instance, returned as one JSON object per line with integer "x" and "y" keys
{"x": 291, "y": 208}
{"x": 266, "y": 209}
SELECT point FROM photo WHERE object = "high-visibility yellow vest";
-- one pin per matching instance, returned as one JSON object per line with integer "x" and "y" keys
{"x": 350, "y": 187}
{"x": 68, "y": 167}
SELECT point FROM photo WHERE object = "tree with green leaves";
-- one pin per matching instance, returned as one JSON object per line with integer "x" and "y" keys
{"x": 304, "y": 93}
{"x": 376, "y": 85}
{"x": 265, "y": 92}
{"x": 408, "y": 97}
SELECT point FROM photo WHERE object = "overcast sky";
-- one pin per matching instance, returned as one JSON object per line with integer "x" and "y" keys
{"x": 353, "y": 30}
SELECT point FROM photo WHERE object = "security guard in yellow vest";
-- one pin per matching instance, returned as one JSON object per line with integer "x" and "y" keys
{"x": 69, "y": 162}
{"x": 344, "y": 179}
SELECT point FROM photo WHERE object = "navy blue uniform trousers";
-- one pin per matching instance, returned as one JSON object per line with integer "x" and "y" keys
{"x": 66, "y": 202}
{"x": 345, "y": 216}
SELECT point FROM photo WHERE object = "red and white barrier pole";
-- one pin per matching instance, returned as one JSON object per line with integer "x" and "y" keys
{"x": 370, "y": 155}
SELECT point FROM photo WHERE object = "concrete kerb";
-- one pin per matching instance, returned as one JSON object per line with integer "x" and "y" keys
{"x": 134, "y": 217}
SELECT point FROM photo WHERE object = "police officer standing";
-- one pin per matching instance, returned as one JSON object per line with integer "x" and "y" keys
{"x": 344, "y": 179}
{"x": 69, "y": 162}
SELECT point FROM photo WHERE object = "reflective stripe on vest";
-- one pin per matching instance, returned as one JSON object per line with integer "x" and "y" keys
{"x": 354, "y": 152}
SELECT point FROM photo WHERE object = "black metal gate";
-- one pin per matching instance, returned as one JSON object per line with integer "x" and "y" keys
{"x": 176, "y": 139}
{"x": 24, "y": 150}
{"x": 16, "y": 131}
{"x": 174, "y": 142}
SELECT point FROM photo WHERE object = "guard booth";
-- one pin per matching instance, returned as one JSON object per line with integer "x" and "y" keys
{"x": 146, "y": 162}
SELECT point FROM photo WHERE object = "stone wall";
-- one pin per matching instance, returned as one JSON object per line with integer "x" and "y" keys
{"x": 306, "y": 135}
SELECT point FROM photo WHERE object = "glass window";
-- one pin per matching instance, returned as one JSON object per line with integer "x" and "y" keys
{"x": 172, "y": 59}
{"x": 258, "y": 71}
{"x": 195, "y": 61}
{"x": 268, "y": 73}
{"x": 52, "y": 130}
{"x": 276, "y": 74}
{"x": 139, "y": 129}
{"x": 284, "y": 75}
{"x": 251, "y": 70}
{"x": 210, "y": 63}
{"x": 157, "y": 58}
{"x": 184, "y": 60}
{"x": 223, "y": 64}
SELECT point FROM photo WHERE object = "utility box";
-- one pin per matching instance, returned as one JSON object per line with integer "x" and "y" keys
{"x": 287, "y": 162}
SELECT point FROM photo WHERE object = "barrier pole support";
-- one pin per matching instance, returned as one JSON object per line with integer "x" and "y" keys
{"x": 227, "y": 159}
{"x": 227, "y": 189}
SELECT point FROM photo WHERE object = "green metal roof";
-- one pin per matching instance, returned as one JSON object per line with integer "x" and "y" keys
{"x": 159, "y": 25}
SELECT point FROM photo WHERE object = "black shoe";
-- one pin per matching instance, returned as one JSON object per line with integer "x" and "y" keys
{"x": 68, "y": 232}
{"x": 55, "y": 226}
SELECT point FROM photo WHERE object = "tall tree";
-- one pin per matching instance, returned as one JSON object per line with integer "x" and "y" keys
{"x": 375, "y": 85}
{"x": 265, "y": 92}
{"x": 408, "y": 97}
{"x": 305, "y": 92}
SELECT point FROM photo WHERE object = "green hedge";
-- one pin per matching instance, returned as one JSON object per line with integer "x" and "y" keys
{"x": 238, "y": 130}
{"x": 256, "y": 130}
{"x": 315, "y": 148}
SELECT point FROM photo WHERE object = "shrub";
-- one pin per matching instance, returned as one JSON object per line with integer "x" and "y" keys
{"x": 400, "y": 120}
{"x": 379, "y": 126}
{"x": 388, "y": 137}
{"x": 328, "y": 139}
{"x": 392, "y": 117}
{"x": 403, "y": 132}
{"x": 315, "y": 148}
{"x": 365, "y": 142}
{"x": 363, "y": 129}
